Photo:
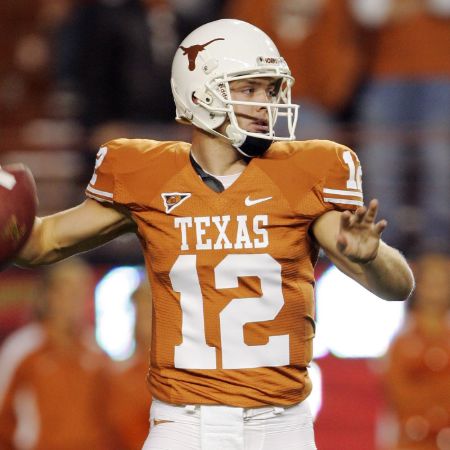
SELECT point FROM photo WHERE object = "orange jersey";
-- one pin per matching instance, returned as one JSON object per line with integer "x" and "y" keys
{"x": 416, "y": 380}
{"x": 231, "y": 272}
{"x": 49, "y": 395}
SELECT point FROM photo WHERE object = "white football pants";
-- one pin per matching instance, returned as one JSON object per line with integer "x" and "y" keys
{"x": 229, "y": 428}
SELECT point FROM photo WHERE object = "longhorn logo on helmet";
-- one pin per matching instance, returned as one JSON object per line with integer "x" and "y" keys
{"x": 193, "y": 51}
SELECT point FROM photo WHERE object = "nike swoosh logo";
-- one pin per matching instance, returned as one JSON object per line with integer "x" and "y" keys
{"x": 249, "y": 202}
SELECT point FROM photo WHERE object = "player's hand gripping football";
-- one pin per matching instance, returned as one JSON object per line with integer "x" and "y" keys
{"x": 359, "y": 234}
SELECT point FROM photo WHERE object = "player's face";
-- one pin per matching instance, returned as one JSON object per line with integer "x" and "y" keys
{"x": 259, "y": 90}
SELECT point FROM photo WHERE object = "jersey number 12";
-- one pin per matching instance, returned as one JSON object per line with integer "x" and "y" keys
{"x": 194, "y": 352}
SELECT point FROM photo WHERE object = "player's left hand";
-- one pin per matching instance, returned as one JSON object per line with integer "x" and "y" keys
{"x": 359, "y": 235}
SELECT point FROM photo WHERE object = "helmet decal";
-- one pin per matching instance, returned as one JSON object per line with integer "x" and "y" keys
{"x": 193, "y": 51}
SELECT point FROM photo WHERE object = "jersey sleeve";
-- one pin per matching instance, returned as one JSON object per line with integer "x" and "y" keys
{"x": 342, "y": 186}
{"x": 102, "y": 185}
{"x": 129, "y": 172}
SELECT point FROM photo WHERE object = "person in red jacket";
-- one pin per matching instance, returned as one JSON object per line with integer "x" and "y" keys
{"x": 417, "y": 374}
{"x": 51, "y": 375}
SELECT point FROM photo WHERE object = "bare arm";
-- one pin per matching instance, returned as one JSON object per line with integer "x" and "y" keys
{"x": 72, "y": 231}
{"x": 353, "y": 243}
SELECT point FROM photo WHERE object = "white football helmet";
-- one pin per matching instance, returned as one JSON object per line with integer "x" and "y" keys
{"x": 207, "y": 61}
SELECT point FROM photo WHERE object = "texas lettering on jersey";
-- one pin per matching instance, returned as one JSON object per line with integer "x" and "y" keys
{"x": 249, "y": 234}
{"x": 232, "y": 273}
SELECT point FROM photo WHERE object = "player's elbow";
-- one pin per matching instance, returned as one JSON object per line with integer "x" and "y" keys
{"x": 398, "y": 295}
{"x": 407, "y": 285}
{"x": 401, "y": 290}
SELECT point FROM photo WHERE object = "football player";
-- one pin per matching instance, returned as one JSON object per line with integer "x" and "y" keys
{"x": 230, "y": 225}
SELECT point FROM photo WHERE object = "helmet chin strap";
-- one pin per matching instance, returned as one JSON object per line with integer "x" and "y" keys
{"x": 249, "y": 146}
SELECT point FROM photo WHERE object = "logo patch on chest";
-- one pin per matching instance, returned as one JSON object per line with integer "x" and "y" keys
{"x": 173, "y": 199}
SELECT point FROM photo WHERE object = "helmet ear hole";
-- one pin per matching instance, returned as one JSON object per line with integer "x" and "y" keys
{"x": 194, "y": 99}
{"x": 201, "y": 96}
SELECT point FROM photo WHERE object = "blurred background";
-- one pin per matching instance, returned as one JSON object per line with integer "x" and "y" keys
{"x": 371, "y": 74}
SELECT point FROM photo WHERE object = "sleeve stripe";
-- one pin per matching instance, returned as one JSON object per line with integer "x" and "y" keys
{"x": 102, "y": 193}
{"x": 343, "y": 192}
{"x": 98, "y": 199}
{"x": 344, "y": 201}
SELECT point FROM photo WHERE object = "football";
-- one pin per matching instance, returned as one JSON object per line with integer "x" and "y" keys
{"x": 18, "y": 204}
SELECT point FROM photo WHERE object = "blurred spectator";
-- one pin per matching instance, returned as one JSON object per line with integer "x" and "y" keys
{"x": 32, "y": 116}
{"x": 319, "y": 39}
{"x": 116, "y": 57}
{"x": 27, "y": 29}
{"x": 128, "y": 399}
{"x": 405, "y": 116}
{"x": 51, "y": 374}
{"x": 417, "y": 372}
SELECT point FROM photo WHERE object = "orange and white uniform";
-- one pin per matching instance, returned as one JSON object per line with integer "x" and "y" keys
{"x": 231, "y": 272}
{"x": 51, "y": 396}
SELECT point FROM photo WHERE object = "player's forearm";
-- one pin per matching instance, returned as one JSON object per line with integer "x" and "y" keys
{"x": 41, "y": 247}
{"x": 388, "y": 275}
{"x": 73, "y": 231}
